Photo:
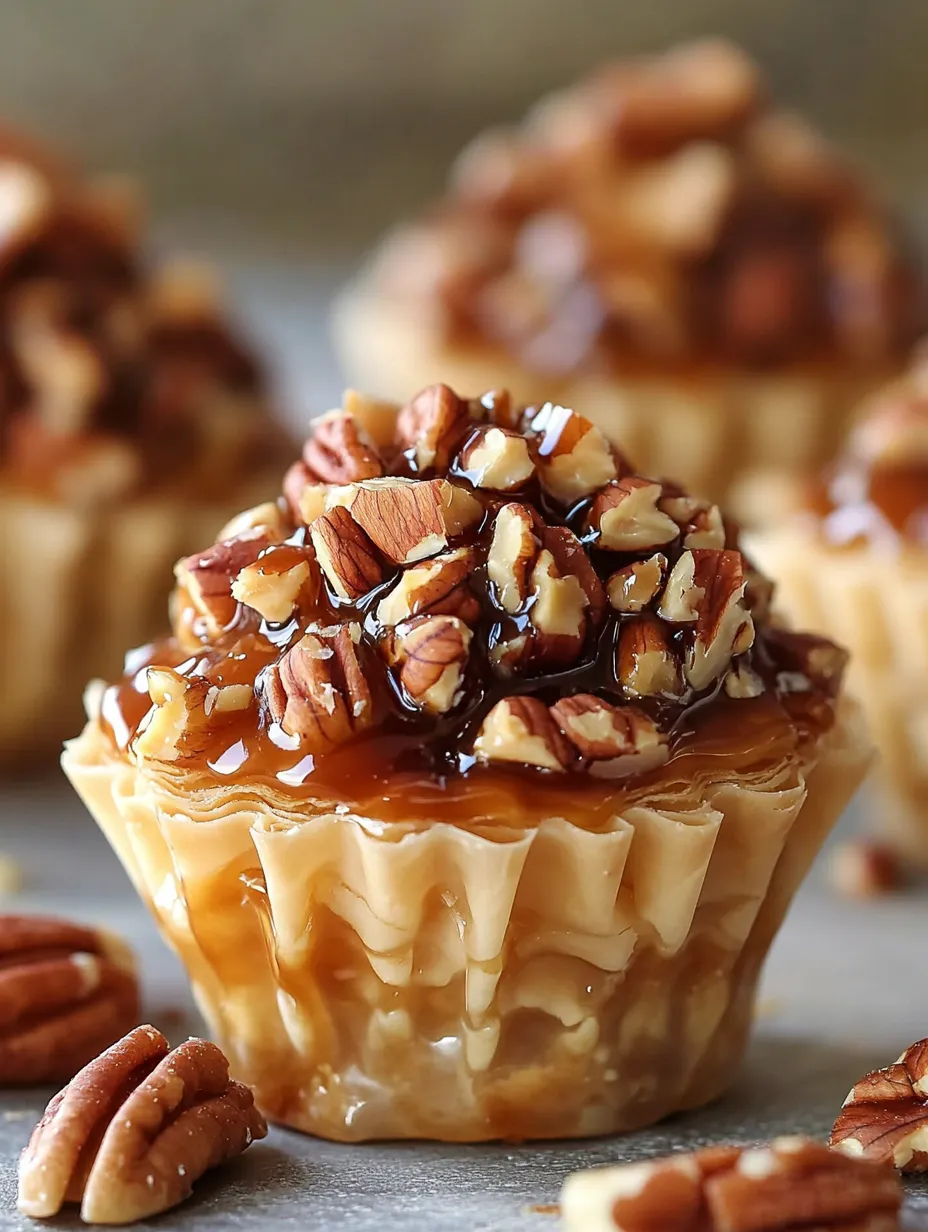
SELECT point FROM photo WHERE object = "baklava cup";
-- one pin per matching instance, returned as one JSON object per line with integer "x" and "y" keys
{"x": 662, "y": 246}
{"x": 132, "y": 424}
{"x": 854, "y": 563}
{"x": 475, "y": 780}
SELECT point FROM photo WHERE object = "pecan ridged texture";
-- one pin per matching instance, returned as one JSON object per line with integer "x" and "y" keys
{"x": 66, "y": 991}
{"x": 790, "y": 1183}
{"x": 131, "y": 1133}
{"x": 885, "y": 1116}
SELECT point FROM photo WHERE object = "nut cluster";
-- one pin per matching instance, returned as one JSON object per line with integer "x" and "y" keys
{"x": 112, "y": 376}
{"x": 885, "y": 1116}
{"x": 790, "y": 1184}
{"x": 496, "y": 576}
{"x": 65, "y": 992}
{"x": 131, "y": 1133}
{"x": 661, "y": 208}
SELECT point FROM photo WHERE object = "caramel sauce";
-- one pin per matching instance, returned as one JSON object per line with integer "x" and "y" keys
{"x": 857, "y": 503}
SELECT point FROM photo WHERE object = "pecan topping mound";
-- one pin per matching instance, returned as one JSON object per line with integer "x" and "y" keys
{"x": 791, "y": 1184}
{"x": 486, "y": 582}
{"x": 65, "y": 992}
{"x": 131, "y": 1133}
{"x": 885, "y": 1117}
{"x": 662, "y": 209}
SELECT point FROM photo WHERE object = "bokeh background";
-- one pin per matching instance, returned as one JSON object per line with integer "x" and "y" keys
{"x": 280, "y": 136}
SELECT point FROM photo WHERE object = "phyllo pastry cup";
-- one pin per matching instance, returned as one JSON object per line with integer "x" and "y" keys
{"x": 475, "y": 781}
{"x": 662, "y": 246}
{"x": 133, "y": 423}
{"x": 853, "y": 563}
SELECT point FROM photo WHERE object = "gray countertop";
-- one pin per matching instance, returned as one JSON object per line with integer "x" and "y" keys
{"x": 842, "y": 991}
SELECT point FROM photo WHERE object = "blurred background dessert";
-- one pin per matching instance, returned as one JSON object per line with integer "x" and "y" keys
{"x": 665, "y": 246}
{"x": 132, "y": 420}
{"x": 854, "y": 562}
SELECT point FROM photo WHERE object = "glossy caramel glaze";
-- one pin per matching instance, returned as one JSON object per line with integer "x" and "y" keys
{"x": 409, "y": 764}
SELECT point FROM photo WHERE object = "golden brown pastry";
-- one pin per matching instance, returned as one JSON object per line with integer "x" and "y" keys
{"x": 662, "y": 246}
{"x": 475, "y": 780}
{"x": 854, "y": 563}
{"x": 132, "y": 423}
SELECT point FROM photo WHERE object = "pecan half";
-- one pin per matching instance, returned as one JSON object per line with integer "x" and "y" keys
{"x": 283, "y": 578}
{"x": 317, "y": 691}
{"x": 646, "y": 664}
{"x": 339, "y": 451}
{"x": 65, "y": 992}
{"x": 572, "y": 455}
{"x": 346, "y": 554}
{"x": 792, "y": 1183}
{"x": 615, "y": 740}
{"x": 631, "y": 589}
{"x": 430, "y": 427}
{"x": 885, "y": 1116}
{"x": 131, "y": 1133}
{"x": 627, "y": 518}
{"x": 407, "y": 519}
{"x": 496, "y": 459}
{"x": 431, "y": 654}
{"x": 521, "y": 729}
{"x": 207, "y": 577}
{"x": 439, "y": 587}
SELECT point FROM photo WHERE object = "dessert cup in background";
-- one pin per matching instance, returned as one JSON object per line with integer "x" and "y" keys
{"x": 475, "y": 780}
{"x": 853, "y": 563}
{"x": 132, "y": 423}
{"x": 663, "y": 247}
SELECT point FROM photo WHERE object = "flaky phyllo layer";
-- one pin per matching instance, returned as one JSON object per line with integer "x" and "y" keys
{"x": 475, "y": 779}
{"x": 377, "y": 979}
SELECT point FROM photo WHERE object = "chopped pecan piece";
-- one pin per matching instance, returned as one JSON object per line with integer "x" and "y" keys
{"x": 521, "y": 729}
{"x": 376, "y": 417}
{"x": 207, "y": 577}
{"x": 350, "y": 561}
{"x": 816, "y": 659}
{"x": 317, "y": 691}
{"x": 430, "y": 427}
{"x": 572, "y": 455}
{"x": 706, "y": 587}
{"x": 615, "y": 740}
{"x": 431, "y": 654}
{"x": 282, "y": 578}
{"x": 627, "y": 517}
{"x": 542, "y": 570}
{"x": 512, "y": 554}
{"x": 305, "y": 497}
{"x": 699, "y": 521}
{"x": 176, "y": 726}
{"x": 792, "y": 1183}
{"x": 496, "y": 459}
{"x": 270, "y": 515}
{"x": 646, "y": 664}
{"x": 407, "y": 519}
{"x": 65, "y": 992}
{"x": 885, "y": 1116}
{"x": 131, "y": 1133}
{"x": 631, "y": 589}
{"x": 439, "y": 587}
{"x": 743, "y": 682}
{"x": 339, "y": 451}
